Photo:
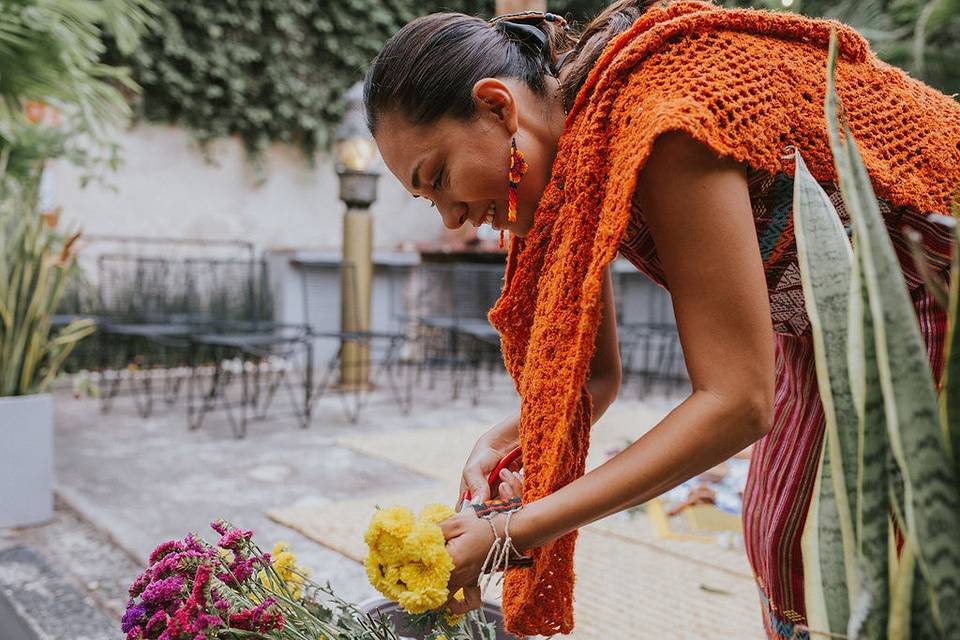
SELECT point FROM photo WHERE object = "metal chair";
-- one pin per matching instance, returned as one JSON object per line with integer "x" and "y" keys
{"x": 362, "y": 360}
{"x": 452, "y": 302}
{"x": 650, "y": 350}
{"x": 261, "y": 358}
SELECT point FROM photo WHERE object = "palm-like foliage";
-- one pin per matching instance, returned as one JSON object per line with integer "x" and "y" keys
{"x": 35, "y": 265}
{"x": 50, "y": 55}
{"x": 50, "y": 52}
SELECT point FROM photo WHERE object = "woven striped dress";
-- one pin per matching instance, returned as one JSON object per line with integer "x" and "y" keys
{"x": 783, "y": 464}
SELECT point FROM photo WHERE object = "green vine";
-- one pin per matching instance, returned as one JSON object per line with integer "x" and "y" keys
{"x": 263, "y": 70}
{"x": 273, "y": 70}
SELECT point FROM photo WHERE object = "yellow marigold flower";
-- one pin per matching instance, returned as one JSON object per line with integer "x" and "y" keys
{"x": 424, "y": 600}
{"x": 436, "y": 513}
{"x": 453, "y": 619}
{"x": 408, "y": 561}
{"x": 284, "y": 563}
{"x": 396, "y": 521}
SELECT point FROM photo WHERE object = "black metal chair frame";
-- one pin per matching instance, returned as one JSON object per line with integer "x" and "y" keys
{"x": 254, "y": 344}
{"x": 384, "y": 350}
{"x": 453, "y": 333}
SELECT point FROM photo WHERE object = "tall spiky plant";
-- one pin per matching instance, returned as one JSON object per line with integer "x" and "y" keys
{"x": 50, "y": 65}
{"x": 890, "y": 450}
{"x": 35, "y": 265}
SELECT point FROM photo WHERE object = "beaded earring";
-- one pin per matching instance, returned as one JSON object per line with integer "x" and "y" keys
{"x": 518, "y": 167}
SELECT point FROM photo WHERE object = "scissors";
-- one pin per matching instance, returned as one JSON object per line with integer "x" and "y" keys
{"x": 505, "y": 462}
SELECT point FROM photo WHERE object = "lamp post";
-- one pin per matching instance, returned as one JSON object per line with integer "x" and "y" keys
{"x": 355, "y": 154}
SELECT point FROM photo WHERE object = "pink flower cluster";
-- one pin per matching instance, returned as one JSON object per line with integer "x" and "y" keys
{"x": 173, "y": 599}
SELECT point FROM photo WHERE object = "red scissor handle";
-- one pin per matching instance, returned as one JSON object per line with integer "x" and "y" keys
{"x": 505, "y": 462}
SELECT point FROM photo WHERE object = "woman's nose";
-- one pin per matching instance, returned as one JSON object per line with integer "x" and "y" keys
{"x": 453, "y": 215}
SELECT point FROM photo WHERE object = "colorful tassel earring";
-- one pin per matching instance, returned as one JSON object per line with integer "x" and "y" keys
{"x": 518, "y": 167}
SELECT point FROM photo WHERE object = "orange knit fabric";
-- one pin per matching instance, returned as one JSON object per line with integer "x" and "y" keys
{"x": 746, "y": 83}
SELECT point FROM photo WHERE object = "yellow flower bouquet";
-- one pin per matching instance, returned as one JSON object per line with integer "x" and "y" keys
{"x": 408, "y": 560}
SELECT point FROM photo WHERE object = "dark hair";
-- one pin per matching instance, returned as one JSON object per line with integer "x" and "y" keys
{"x": 428, "y": 68}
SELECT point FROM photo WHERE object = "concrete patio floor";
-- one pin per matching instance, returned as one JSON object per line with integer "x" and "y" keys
{"x": 141, "y": 481}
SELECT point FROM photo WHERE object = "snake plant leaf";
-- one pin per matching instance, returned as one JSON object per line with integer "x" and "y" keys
{"x": 931, "y": 492}
{"x": 873, "y": 500}
{"x": 825, "y": 261}
{"x": 950, "y": 384}
{"x": 934, "y": 284}
{"x": 824, "y": 562}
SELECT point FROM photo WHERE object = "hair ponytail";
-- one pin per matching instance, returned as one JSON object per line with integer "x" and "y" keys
{"x": 608, "y": 24}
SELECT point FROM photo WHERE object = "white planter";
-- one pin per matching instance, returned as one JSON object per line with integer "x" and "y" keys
{"x": 26, "y": 460}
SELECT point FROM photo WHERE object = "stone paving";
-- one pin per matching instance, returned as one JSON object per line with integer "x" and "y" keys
{"x": 127, "y": 483}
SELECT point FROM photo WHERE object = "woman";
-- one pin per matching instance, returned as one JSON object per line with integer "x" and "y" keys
{"x": 659, "y": 134}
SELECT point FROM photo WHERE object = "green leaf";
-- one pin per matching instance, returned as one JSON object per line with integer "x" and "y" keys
{"x": 950, "y": 385}
{"x": 825, "y": 261}
{"x": 873, "y": 504}
{"x": 931, "y": 496}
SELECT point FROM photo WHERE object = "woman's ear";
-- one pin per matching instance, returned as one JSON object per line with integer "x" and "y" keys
{"x": 493, "y": 98}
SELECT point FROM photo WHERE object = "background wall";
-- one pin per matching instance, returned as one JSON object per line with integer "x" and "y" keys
{"x": 168, "y": 187}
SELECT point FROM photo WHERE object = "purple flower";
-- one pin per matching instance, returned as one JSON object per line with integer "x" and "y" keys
{"x": 192, "y": 543}
{"x": 163, "y": 591}
{"x": 171, "y": 563}
{"x": 133, "y": 616}
{"x": 169, "y": 546}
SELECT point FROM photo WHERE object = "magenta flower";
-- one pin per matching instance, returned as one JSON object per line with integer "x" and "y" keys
{"x": 163, "y": 549}
{"x": 162, "y": 592}
{"x": 234, "y": 538}
{"x": 171, "y": 563}
{"x": 156, "y": 622}
{"x": 258, "y": 619}
{"x": 140, "y": 583}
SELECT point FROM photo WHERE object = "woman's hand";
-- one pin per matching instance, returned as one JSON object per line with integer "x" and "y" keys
{"x": 487, "y": 452}
{"x": 469, "y": 539}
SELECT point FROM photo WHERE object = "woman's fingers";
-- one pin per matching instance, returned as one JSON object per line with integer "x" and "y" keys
{"x": 511, "y": 485}
{"x": 451, "y": 527}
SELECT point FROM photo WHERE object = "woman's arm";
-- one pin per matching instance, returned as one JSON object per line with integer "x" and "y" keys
{"x": 603, "y": 384}
{"x": 698, "y": 210}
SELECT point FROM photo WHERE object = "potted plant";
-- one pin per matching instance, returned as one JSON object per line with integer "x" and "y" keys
{"x": 35, "y": 265}
{"x": 57, "y": 100}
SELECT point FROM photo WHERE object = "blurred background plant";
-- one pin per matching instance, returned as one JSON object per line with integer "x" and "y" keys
{"x": 57, "y": 97}
{"x": 35, "y": 266}
{"x": 57, "y": 100}
{"x": 277, "y": 70}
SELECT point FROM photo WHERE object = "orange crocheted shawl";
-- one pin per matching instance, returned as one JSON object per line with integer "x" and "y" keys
{"x": 746, "y": 83}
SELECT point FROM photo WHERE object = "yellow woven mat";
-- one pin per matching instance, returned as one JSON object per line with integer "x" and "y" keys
{"x": 440, "y": 453}
{"x": 624, "y": 589}
{"x": 630, "y": 582}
